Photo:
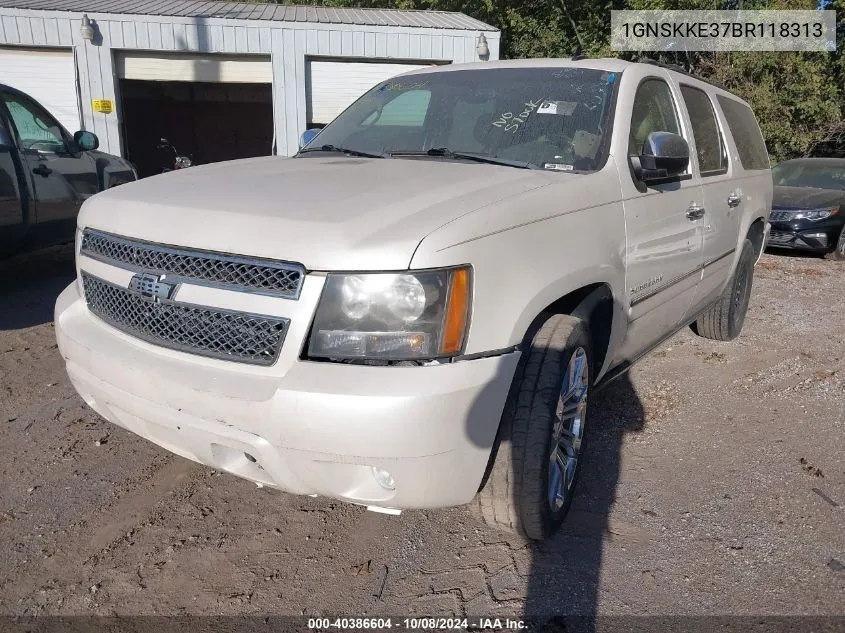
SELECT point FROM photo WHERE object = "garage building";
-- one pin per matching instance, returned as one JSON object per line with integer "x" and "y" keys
{"x": 220, "y": 80}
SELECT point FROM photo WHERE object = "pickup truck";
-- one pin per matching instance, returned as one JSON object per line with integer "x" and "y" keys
{"x": 46, "y": 174}
{"x": 413, "y": 311}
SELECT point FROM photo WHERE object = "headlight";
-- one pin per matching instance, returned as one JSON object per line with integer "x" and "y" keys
{"x": 392, "y": 316}
{"x": 814, "y": 214}
{"x": 817, "y": 214}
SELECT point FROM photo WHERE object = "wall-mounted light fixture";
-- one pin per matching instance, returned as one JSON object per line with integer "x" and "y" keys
{"x": 482, "y": 49}
{"x": 86, "y": 31}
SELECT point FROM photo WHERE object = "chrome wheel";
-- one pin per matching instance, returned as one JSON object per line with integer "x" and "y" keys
{"x": 568, "y": 430}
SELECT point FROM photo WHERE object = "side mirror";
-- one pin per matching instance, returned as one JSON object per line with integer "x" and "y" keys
{"x": 663, "y": 155}
{"x": 86, "y": 141}
{"x": 308, "y": 136}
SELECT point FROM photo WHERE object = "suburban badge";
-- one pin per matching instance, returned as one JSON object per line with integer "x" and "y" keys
{"x": 648, "y": 283}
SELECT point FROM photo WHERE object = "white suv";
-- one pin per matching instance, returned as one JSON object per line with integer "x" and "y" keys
{"x": 413, "y": 311}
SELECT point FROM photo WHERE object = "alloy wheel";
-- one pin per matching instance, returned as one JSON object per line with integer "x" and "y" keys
{"x": 568, "y": 430}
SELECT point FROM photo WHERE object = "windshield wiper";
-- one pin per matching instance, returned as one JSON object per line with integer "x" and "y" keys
{"x": 342, "y": 150}
{"x": 445, "y": 152}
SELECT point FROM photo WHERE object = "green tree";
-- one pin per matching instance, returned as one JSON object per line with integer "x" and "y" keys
{"x": 799, "y": 97}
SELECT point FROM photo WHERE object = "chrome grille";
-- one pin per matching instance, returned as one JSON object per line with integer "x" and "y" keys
{"x": 781, "y": 216}
{"x": 282, "y": 279}
{"x": 207, "y": 331}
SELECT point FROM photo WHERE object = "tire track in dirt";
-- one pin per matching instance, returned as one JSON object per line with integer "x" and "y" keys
{"x": 712, "y": 510}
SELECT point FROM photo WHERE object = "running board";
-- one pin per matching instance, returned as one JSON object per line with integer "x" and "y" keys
{"x": 620, "y": 369}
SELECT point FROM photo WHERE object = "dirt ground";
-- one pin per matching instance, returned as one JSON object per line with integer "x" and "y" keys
{"x": 714, "y": 484}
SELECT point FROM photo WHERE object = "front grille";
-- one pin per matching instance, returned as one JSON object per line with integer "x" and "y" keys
{"x": 780, "y": 237}
{"x": 224, "y": 334}
{"x": 781, "y": 216}
{"x": 282, "y": 279}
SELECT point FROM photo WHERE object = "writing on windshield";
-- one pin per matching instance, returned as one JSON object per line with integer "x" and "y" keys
{"x": 555, "y": 118}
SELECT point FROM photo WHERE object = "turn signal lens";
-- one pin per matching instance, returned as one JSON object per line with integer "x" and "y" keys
{"x": 456, "y": 312}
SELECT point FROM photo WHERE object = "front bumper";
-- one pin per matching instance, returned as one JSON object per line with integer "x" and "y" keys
{"x": 805, "y": 235}
{"x": 319, "y": 429}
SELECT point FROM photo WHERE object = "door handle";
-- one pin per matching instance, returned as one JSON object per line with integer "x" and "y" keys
{"x": 734, "y": 200}
{"x": 42, "y": 170}
{"x": 695, "y": 212}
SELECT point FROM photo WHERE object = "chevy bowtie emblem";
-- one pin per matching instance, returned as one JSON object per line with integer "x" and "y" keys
{"x": 151, "y": 286}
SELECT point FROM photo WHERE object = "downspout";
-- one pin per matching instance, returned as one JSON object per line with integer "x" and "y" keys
{"x": 78, "y": 88}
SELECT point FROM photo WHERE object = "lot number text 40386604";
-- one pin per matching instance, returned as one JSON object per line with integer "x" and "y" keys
{"x": 415, "y": 624}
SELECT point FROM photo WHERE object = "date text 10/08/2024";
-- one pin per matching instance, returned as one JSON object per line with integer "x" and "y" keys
{"x": 416, "y": 624}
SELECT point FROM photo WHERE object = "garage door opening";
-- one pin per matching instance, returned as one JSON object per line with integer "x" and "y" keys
{"x": 207, "y": 121}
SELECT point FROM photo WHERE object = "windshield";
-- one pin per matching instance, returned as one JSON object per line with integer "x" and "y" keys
{"x": 806, "y": 174}
{"x": 553, "y": 118}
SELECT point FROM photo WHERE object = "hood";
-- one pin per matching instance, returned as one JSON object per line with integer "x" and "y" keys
{"x": 806, "y": 198}
{"x": 327, "y": 211}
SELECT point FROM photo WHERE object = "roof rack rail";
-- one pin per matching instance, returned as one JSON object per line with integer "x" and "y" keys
{"x": 680, "y": 69}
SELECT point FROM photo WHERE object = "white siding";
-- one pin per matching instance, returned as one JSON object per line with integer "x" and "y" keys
{"x": 289, "y": 44}
{"x": 334, "y": 85}
{"x": 48, "y": 76}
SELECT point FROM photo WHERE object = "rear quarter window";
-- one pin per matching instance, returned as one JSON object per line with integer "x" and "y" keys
{"x": 746, "y": 132}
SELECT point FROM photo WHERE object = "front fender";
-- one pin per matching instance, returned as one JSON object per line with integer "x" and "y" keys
{"x": 112, "y": 170}
{"x": 519, "y": 271}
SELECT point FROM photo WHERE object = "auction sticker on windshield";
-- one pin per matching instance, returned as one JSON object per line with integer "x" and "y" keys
{"x": 565, "y": 108}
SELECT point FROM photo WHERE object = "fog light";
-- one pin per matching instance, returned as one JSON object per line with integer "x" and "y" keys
{"x": 384, "y": 478}
{"x": 821, "y": 237}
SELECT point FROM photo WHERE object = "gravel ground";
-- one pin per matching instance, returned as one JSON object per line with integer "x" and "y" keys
{"x": 714, "y": 484}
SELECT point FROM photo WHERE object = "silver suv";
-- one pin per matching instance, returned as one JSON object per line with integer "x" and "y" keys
{"x": 413, "y": 311}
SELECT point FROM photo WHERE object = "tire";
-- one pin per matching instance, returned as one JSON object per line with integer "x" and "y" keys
{"x": 516, "y": 493}
{"x": 838, "y": 253}
{"x": 724, "y": 320}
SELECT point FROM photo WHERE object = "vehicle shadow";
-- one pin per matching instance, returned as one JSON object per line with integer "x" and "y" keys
{"x": 30, "y": 284}
{"x": 788, "y": 252}
{"x": 563, "y": 584}
{"x": 563, "y": 577}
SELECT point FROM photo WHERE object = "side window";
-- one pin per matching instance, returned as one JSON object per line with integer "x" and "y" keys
{"x": 654, "y": 111}
{"x": 705, "y": 129}
{"x": 746, "y": 132}
{"x": 37, "y": 130}
{"x": 406, "y": 110}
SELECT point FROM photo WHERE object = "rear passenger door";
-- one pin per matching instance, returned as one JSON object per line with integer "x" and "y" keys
{"x": 723, "y": 196}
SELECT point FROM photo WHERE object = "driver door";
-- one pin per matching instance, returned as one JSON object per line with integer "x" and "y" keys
{"x": 61, "y": 177}
{"x": 663, "y": 226}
